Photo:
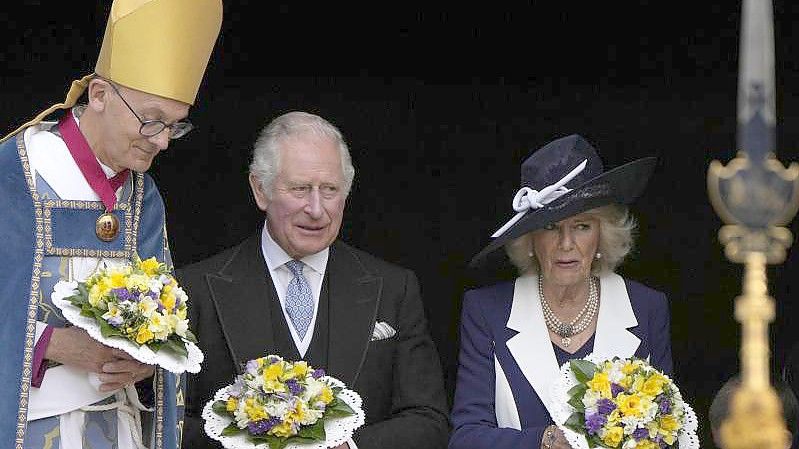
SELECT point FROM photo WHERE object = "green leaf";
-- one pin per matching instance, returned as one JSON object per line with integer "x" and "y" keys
{"x": 177, "y": 346}
{"x": 339, "y": 410}
{"x": 315, "y": 431}
{"x": 83, "y": 291}
{"x": 231, "y": 429}
{"x": 577, "y": 403}
{"x": 576, "y": 422}
{"x": 583, "y": 370}
{"x": 220, "y": 408}
{"x": 190, "y": 337}
{"x": 77, "y": 300}
{"x": 108, "y": 330}
{"x": 577, "y": 391}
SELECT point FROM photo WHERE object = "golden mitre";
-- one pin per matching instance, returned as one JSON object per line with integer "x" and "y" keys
{"x": 160, "y": 47}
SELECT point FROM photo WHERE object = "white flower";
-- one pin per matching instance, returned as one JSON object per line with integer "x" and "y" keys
{"x": 177, "y": 325}
{"x": 241, "y": 416}
{"x": 147, "y": 306}
{"x": 159, "y": 326}
{"x": 155, "y": 286}
{"x": 629, "y": 444}
{"x": 180, "y": 295}
{"x": 589, "y": 401}
{"x": 277, "y": 408}
{"x": 311, "y": 416}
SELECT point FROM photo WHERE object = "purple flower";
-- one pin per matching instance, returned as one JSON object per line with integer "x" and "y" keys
{"x": 237, "y": 388}
{"x": 272, "y": 359}
{"x": 615, "y": 389}
{"x": 252, "y": 367}
{"x": 294, "y": 387}
{"x": 115, "y": 320}
{"x": 605, "y": 406}
{"x": 640, "y": 433}
{"x": 664, "y": 406}
{"x": 594, "y": 422}
{"x": 123, "y": 294}
{"x": 262, "y": 426}
{"x": 317, "y": 373}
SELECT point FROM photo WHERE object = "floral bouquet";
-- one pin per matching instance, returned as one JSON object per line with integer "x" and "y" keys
{"x": 137, "y": 307}
{"x": 279, "y": 403}
{"x": 622, "y": 403}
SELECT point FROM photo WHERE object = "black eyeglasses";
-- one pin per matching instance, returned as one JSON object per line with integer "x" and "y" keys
{"x": 150, "y": 128}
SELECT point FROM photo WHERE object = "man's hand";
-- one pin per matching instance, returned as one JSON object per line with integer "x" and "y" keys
{"x": 123, "y": 371}
{"x": 74, "y": 347}
{"x": 342, "y": 446}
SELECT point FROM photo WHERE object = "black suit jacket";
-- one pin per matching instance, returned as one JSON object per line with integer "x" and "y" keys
{"x": 399, "y": 379}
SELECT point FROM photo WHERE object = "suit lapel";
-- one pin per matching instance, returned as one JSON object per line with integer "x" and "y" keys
{"x": 615, "y": 317}
{"x": 240, "y": 292}
{"x": 531, "y": 347}
{"x": 354, "y": 300}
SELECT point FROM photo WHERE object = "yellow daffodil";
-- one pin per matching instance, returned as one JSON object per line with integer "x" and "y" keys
{"x": 116, "y": 279}
{"x": 669, "y": 423}
{"x": 630, "y": 405}
{"x": 168, "y": 300}
{"x": 138, "y": 282}
{"x": 143, "y": 335}
{"x": 150, "y": 266}
{"x": 326, "y": 395}
{"x": 232, "y": 404}
{"x": 653, "y": 386}
{"x": 254, "y": 410}
{"x": 273, "y": 371}
{"x": 613, "y": 436}
{"x": 646, "y": 444}
{"x": 628, "y": 368}
{"x": 299, "y": 370}
{"x": 601, "y": 384}
{"x": 282, "y": 430}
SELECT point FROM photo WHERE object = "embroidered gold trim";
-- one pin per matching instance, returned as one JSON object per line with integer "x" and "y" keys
{"x": 30, "y": 327}
{"x": 159, "y": 409}
{"x": 132, "y": 220}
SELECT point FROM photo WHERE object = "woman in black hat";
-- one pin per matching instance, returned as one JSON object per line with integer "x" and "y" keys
{"x": 571, "y": 230}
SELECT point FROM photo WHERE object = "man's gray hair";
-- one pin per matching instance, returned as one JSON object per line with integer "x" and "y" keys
{"x": 616, "y": 228}
{"x": 265, "y": 163}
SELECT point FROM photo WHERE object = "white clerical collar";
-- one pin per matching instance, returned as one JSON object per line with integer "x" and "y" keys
{"x": 276, "y": 257}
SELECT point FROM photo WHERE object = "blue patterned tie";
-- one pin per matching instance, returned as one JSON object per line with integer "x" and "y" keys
{"x": 299, "y": 300}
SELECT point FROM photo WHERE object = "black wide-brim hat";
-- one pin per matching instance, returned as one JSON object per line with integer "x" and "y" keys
{"x": 590, "y": 188}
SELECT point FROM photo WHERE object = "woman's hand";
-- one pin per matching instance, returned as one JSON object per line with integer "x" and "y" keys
{"x": 554, "y": 439}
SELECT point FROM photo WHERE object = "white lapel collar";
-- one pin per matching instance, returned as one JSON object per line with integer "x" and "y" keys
{"x": 531, "y": 347}
{"x": 615, "y": 317}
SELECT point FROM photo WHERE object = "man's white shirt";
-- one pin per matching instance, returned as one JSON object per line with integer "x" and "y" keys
{"x": 314, "y": 272}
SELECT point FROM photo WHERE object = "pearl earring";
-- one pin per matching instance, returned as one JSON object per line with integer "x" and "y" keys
{"x": 598, "y": 255}
{"x": 530, "y": 254}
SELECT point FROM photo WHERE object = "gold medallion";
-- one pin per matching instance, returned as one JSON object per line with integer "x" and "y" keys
{"x": 107, "y": 227}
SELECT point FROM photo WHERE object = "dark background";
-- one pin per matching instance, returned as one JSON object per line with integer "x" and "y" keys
{"x": 440, "y": 102}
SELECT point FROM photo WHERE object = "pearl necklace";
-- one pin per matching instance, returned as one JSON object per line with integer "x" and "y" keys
{"x": 580, "y": 322}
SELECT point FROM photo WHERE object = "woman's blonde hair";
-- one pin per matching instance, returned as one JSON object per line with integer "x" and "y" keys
{"x": 616, "y": 229}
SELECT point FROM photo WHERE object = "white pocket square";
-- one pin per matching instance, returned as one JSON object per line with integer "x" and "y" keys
{"x": 382, "y": 331}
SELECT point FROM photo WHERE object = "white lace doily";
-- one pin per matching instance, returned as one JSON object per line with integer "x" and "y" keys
{"x": 165, "y": 359}
{"x": 561, "y": 410}
{"x": 337, "y": 430}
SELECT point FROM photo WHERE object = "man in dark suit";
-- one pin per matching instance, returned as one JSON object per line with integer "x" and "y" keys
{"x": 293, "y": 290}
